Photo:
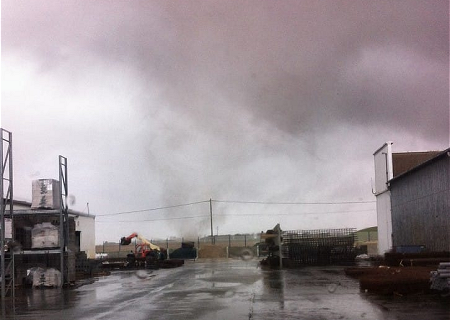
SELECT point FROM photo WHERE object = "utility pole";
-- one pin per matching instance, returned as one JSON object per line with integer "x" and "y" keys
{"x": 210, "y": 213}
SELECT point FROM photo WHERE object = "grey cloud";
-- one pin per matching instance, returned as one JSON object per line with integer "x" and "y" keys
{"x": 231, "y": 99}
{"x": 283, "y": 63}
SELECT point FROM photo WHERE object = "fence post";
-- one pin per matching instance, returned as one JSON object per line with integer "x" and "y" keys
{"x": 167, "y": 244}
{"x": 229, "y": 240}
{"x": 279, "y": 244}
{"x": 245, "y": 240}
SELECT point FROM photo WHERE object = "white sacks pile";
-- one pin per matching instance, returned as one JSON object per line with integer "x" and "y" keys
{"x": 440, "y": 279}
{"x": 44, "y": 235}
{"x": 50, "y": 277}
{"x": 45, "y": 194}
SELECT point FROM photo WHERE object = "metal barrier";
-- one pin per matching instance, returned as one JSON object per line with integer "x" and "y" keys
{"x": 115, "y": 250}
{"x": 319, "y": 247}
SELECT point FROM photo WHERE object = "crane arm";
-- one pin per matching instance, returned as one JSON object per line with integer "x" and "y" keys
{"x": 145, "y": 241}
{"x": 127, "y": 241}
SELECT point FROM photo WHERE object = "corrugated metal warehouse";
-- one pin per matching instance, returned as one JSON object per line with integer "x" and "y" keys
{"x": 406, "y": 174}
{"x": 420, "y": 205}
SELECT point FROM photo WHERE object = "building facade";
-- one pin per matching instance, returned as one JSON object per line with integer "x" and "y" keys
{"x": 420, "y": 205}
{"x": 392, "y": 167}
{"x": 383, "y": 173}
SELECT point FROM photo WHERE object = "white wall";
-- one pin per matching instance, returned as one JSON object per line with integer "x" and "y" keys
{"x": 383, "y": 173}
{"x": 384, "y": 221}
{"x": 19, "y": 206}
{"x": 87, "y": 237}
{"x": 383, "y": 167}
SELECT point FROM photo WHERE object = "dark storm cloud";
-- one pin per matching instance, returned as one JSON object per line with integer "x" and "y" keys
{"x": 297, "y": 65}
{"x": 252, "y": 100}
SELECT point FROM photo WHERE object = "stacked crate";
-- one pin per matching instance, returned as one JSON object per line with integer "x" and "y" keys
{"x": 45, "y": 194}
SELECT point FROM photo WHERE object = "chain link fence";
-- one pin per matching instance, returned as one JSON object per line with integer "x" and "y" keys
{"x": 217, "y": 246}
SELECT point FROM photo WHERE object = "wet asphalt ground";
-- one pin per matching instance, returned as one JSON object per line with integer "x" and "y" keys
{"x": 221, "y": 289}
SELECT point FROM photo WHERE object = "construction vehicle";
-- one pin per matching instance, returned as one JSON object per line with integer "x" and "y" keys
{"x": 146, "y": 254}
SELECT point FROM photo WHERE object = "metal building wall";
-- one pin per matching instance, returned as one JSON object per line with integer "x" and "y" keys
{"x": 421, "y": 206}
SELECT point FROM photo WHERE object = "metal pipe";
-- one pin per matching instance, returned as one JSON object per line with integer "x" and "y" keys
{"x": 11, "y": 187}
{"x": 6, "y": 160}
{"x": 63, "y": 216}
{"x": 61, "y": 221}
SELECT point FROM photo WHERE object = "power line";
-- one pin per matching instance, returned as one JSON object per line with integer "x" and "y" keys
{"x": 295, "y": 213}
{"x": 234, "y": 201}
{"x": 240, "y": 214}
{"x": 151, "y": 209}
{"x": 162, "y": 219}
{"x": 291, "y": 203}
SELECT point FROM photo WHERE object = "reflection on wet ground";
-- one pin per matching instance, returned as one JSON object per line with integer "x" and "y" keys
{"x": 224, "y": 289}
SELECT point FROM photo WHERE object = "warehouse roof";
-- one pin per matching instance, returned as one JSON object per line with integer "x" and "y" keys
{"x": 407, "y": 162}
{"x": 44, "y": 211}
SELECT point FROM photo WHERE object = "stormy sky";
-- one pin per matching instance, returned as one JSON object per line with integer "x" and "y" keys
{"x": 162, "y": 103}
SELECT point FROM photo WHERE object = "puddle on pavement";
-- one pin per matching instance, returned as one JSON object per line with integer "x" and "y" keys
{"x": 215, "y": 291}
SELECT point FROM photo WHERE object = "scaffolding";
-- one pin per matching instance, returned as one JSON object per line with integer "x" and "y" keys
{"x": 63, "y": 219}
{"x": 6, "y": 218}
{"x": 319, "y": 247}
{"x": 47, "y": 255}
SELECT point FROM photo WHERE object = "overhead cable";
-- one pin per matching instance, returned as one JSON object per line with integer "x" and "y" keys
{"x": 162, "y": 219}
{"x": 238, "y": 214}
{"x": 293, "y": 213}
{"x": 234, "y": 201}
{"x": 152, "y": 209}
{"x": 290, "y": 203}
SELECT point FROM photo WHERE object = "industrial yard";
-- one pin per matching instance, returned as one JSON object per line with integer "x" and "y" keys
{"x": 211, "y": 160}
{"x": 223, "y": 289}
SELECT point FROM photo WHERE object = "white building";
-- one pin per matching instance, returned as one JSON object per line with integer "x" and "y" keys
{"x": 383, "y": 173}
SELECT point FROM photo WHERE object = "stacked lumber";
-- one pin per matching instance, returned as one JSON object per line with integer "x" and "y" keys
{"x": 440, "y": 279}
